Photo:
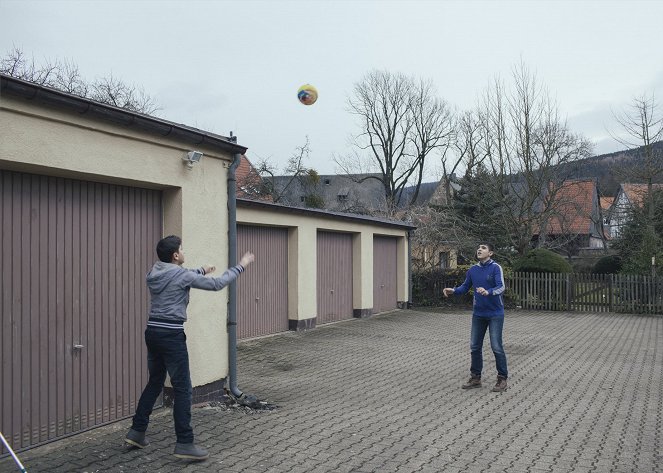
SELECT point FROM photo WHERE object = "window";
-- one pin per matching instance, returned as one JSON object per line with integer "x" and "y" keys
{"x": 444, "y": 259}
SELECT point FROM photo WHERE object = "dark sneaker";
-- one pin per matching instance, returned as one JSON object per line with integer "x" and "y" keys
{"x": 137, "y": 439}
{"x": 189, "y": 451}
{"x": 474, "y": 382}
{"x": 500, "y": 385}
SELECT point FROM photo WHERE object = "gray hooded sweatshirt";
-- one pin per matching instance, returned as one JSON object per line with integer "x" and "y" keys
{"x": 169, "y": 286}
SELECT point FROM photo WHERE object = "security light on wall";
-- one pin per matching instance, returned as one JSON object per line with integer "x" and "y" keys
{"x": 191, "y": 158}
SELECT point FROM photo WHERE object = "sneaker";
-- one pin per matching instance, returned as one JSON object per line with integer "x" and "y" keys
{"x": 137, "y": 439}
{"x": 189, "y": 451}
{"x": 500, "y": 385}
{"x": 474, "y": 382}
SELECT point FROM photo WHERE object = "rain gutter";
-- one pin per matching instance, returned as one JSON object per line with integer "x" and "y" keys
{"x": 232, "y": 288}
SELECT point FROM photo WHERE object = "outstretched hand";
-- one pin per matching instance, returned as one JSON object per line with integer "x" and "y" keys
{"x": 448, "y": 291}
{"x": 247, "y": 259}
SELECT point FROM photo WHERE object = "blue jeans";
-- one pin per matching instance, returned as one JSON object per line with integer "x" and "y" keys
{"x": 167, "y": 352}
{"x": 479, "y": 326}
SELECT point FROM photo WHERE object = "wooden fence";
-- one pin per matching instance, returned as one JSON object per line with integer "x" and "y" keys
{"x": 587, "y": 292}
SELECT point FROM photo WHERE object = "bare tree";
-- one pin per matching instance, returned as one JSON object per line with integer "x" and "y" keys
{"x": 433, "y": 129}
{"x": 642, "y": 122}
{"x": 65, "y": 76}
{"x": 402, "y": 123}
{"x": 437, "y": 232}
{"x": 16, "y": 64}
{"x": 296, "y": 174}
{"x": 467, "y": 151}
{"x": 113, "y": 91}
{"x": 527, "y": 150}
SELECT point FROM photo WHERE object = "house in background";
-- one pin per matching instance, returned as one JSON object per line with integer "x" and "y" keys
{"x": 353, "y": 193}
{"x": 250, "y": 185}
{"x": 577, "y": 221}
{"x": 606, "y": 208}
{"x": 629, "y": 196}
{"x": 431, "y": 193}
{"x": 429, "y": 251}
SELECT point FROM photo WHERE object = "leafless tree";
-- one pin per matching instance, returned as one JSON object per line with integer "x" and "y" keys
{"x": 438, "y": 231}
{"x": 642, "y": 122}
{"x": 433, "y": 129}
{"x": 113, "y": 91}
{"x": 65, "y": 76}
{"x": 402, "y": 123}
{"x": 296, "y": 174}
{"x": 527, "y": 149}
{"x": 467, "y": 151}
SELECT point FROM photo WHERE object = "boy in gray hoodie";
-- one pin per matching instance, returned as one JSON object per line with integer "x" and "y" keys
{"x": 169, "y": 284}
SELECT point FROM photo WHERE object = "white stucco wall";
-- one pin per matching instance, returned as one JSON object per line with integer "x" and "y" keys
{"x": 303, "y": 248}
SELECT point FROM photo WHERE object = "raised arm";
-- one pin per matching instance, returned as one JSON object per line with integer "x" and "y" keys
{"x": 199, "y": 281}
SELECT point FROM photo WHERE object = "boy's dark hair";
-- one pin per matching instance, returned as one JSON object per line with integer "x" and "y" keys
{"x": 488, "y": 245}
{"x": 167, "y": 246}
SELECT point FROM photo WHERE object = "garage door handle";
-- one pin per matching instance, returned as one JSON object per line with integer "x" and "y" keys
{"x": 79, "y": 347}
{"x": 257, "y": 298}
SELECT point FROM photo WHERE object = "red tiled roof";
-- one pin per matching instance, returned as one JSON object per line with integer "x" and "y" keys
{"x": 606, "y": 202}
{"x": 636, "y": 192}
{"x": 248, "y": 181}
{"x": 244, "y": 170}
{"x": 573, "y": 211}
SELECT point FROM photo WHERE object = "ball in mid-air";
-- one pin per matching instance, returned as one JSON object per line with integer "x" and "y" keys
{"x": 307, "y": 94}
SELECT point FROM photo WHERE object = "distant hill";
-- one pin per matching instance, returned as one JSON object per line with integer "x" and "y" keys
{"x": 612, "y": 169}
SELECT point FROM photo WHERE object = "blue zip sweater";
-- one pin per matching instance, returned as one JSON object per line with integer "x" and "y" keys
{"x": 488, "y": 275}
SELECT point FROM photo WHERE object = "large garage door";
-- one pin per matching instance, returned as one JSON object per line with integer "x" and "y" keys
{"x": 262, "y": 291}
{"x": 385, "y": 290}
{"x": 74, "y": 303}
{"x": 334, "y": 263}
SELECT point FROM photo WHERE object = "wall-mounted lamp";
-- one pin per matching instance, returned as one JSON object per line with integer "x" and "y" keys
{"x": 191, "y": 158}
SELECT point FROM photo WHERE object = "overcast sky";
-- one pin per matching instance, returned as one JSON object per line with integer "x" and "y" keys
{"x": 236, "y": 65}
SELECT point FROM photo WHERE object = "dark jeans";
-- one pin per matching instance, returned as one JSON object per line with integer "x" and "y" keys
{"x": 479, "y": 326}
{"x": 166, "y": 352}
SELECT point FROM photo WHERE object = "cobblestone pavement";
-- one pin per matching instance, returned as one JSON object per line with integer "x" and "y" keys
{"x": 383, "y": 395}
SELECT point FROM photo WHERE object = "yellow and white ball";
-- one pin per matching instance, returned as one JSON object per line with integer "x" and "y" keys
{"x": 307, "y": 94}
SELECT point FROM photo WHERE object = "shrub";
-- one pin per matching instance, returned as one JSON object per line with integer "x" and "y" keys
{"x": 427, "y": 287}
{"x": 314, "y": 201}
{"x": 608, "y": 265}
{"x": 541, "y": 260}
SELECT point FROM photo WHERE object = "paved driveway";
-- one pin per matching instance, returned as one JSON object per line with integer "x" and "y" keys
{"x": 383, "y": 395}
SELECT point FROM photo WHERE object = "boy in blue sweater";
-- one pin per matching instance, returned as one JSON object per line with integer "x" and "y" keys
{"x": 488, "y": 313}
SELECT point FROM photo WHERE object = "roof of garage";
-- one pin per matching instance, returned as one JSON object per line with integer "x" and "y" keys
{"x": 109, "y": 113}
{"x": 246, "y": 203}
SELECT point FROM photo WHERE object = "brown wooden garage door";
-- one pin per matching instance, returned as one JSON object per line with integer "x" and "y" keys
{"x": 262, "y": 291}
{"x": 334, "y": 281}
{"x": 74, "y": 303}
{"x": 385, "y": 291}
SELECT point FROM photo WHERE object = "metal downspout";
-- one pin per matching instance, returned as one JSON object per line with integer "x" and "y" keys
{"x": 409, "y": 302}
{"x": 232, "y": 288}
